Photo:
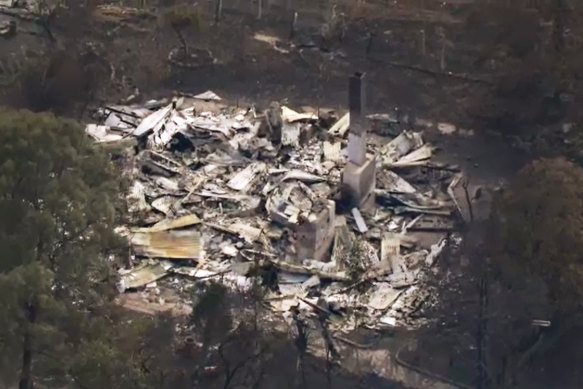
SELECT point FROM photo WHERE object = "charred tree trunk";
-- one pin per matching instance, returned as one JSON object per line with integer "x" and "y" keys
{"x": 45, "y": 24}
{"x": 293, "y": 24}
{"x": 26, "y": 379}
{"x": 468, "y": 201}
{"x": 559, "y": 26}
{"x": 482, "y": 366}
{"x": 371, "y": 36}
{"x": 218, "y": 11}
{"x": 301, "y": 343}
{"x": 178, "y": 32}
{"x": 442, "y": 59}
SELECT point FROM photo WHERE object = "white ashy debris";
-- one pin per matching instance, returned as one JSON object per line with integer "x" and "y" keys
{"x": 168, "y": 184}
{"x": 301, "y": 176}
{"x": 382, "y": 296}
{"x": 446, "y": 128}
{"x": 136, "y": 198}
{"x": 394, "y": 183}
{"x": 208, "y": 96}
{"x": 102, "y": 133}
{"x": 360, "y": 223}
{"x": 291, "y": 116}
{"x": 423, "y": 153}
{"x": 153, "y": 122}
{"x": 436, "y": 250}
{"x": 341, "y": 126}
{"x": 290, "y": 134}
{"x": 401, "y": 146}
{"x": 332, "y": 151}
{"x": 242, "y": 180}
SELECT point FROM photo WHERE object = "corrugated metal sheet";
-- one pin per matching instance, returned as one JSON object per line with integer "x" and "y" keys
{"x": 139, "y": 303}
{"x": 290, "y": 116}
{"x": 421, "y": 154}
{"x": 341, "y": 126}
{"x": 243, "y": 179}
{"x": 167, "y": 244}
{"x": 208, "y": 96}
{"x": 302, "y": 176}
{"x": 245, "y": 231}
{"x": 172, "y": 224}
{"x": 153, "y": 122}
{"x": 393, "y": 182}
{"x": 143, "y": 275}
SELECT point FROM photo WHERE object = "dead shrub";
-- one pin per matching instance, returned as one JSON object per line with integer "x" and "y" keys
{"x": 334, "y": 28}
{"x": 181, "y": 18}
{"x": 60, "y": 83}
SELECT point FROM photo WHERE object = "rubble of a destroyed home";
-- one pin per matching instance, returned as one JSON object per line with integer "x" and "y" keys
{"x": 231, "y": 194}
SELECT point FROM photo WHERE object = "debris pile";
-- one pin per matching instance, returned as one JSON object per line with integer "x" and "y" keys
{"x": 229, "y": 194}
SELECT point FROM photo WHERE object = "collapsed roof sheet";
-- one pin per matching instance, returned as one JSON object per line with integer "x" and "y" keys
{"x": 171, "y": 224}
{"x": 167, "y": 244}
{"x": 143, "y": 275}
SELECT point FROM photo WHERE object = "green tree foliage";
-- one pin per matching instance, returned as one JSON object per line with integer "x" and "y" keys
{"x": 120, "y": 351}
{"x": 56, "y": 81}
{"x": 211, "y": 317}
{"x": 537, "y": 227}
{"x": 233, "y": 335}
{"x": 57, "y": 201}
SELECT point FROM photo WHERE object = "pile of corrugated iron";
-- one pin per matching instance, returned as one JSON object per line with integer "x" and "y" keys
{"x": 217, "y": 192}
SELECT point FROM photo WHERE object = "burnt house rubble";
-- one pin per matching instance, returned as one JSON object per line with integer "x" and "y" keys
{"x": 326, "y": 205}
